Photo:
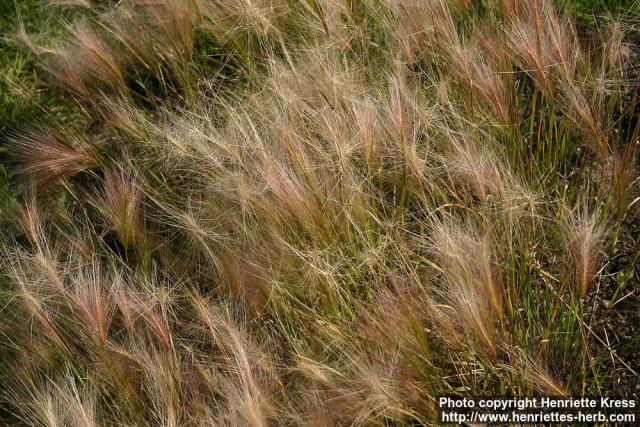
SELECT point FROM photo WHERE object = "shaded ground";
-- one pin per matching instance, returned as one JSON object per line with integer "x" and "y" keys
{"x": 614, "y": 316}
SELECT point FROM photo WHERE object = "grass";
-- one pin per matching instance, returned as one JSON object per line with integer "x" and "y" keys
{"x": 300, "y": 212}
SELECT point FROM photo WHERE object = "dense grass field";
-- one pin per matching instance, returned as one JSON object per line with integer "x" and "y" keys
{"x": 305, "y": 212}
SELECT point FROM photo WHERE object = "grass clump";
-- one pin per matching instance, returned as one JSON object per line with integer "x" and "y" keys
{"x": 327, "y": 213}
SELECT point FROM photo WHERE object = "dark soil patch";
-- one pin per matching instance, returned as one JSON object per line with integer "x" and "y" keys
{"x": 613, "y": 314}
